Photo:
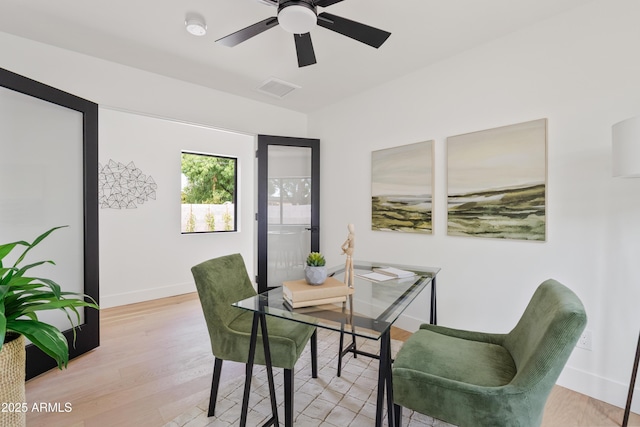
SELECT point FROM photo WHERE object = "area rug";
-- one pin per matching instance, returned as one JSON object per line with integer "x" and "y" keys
{"x": 326, "y": 401}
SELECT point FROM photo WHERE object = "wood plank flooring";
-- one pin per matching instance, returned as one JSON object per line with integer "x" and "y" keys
{"x": 155, "y": 362}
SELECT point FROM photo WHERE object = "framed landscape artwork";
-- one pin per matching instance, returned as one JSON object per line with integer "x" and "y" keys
{"x": 497, "y": 182}
{"x": 401, "y": 188}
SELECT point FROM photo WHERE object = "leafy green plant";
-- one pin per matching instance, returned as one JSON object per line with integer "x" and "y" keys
{"x": 315, "y": 259}
{"x": 22, "y": 297}
{"x": 191, "y": 221}
{"x": 210, "y": 179}
{"x": 210, "y": 219}
{"x": 227, "y": 219}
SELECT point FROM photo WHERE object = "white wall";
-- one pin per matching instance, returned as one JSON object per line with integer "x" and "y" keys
{"x": 145, "y": 254}
{"x": 580, "y": 70}
{"x": 142, "y": 254}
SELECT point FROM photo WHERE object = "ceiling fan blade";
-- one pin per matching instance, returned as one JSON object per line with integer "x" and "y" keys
{"x": 355, "y": 30}
{"x": 246, "y": 33}
{"x": 325, "y": 3}
{"x": 304, "y": 48}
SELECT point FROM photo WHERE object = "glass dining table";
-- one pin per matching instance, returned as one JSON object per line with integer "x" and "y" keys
{"x": 369, "y": 312}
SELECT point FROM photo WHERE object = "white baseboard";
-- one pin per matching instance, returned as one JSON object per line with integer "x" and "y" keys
{"x": 606, "y": 390}
{"x": 115, "y": 300}
{"x": 409, "y": 323}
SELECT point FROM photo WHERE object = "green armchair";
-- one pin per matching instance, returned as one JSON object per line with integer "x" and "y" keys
{"x": 483, "y": 379}
{"x": 223, "y": 281}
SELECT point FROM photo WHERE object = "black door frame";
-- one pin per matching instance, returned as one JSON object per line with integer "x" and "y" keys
{"x": 264, "y": 141}
{"x": 88, "y": 336}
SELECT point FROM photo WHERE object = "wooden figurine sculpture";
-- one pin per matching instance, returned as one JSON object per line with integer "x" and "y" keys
{"x": 347, "y": 248}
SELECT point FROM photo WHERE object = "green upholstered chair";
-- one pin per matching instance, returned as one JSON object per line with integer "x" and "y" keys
{"x": 223, "y": 281}
{"x": 483, "y": 379}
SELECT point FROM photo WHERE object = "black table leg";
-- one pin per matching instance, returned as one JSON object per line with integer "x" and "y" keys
{"x": 351, "y": 348}
{"x": 340, "y": 347}
{"x": 384, "y": 380}
{"x": 249, "y": 371}
{"x": 397, "y": 412}
{"x": 389, "y": 384}
{"x": 634, "y": 373}
{"x": 314, "y": 354}
{"x": 433, "y": 317}
{"x": 258, "y": 317}
{"x": 269, "y": 366}
{"x": 353, "y": 326}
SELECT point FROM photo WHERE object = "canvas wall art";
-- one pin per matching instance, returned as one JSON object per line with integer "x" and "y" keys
{"x": 497, "y": 182}
{"x": 401, "y": 188}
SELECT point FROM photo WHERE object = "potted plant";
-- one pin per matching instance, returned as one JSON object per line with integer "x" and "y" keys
{"x": 21, "y": 298}
{"x": 315, "y": 273}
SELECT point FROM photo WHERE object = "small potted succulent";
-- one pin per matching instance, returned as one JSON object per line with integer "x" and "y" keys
{"x": 315, "y": 273}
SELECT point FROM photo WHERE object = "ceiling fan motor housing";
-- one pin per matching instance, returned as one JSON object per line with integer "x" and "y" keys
{"x": 297, "y": 16}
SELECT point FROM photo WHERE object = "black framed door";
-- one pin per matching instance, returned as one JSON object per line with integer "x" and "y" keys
{"x": 288, "y": 207}
{"x": 66, "y": 198}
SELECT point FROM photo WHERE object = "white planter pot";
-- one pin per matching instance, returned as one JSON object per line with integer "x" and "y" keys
{"x": 315, "y": 275}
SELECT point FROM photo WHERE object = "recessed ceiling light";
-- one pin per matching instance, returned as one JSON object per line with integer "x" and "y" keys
{"x": 196, "y": 26}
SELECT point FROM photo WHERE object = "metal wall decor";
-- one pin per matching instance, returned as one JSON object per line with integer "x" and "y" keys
{"x": 123, "y": 186}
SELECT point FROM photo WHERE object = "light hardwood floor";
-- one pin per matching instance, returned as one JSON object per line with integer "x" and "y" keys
{"x": 155, "y": 362}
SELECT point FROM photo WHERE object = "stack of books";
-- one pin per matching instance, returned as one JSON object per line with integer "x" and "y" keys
{"x": 298, "y": 293}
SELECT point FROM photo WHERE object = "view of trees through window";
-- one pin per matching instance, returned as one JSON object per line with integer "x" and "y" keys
{"x": 289, "y": 200}
{"x": 209, "y": 184}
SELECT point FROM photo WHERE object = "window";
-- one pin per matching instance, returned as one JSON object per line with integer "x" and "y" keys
{"x": 208, "y": 193}
{"x": 289, "y": 201}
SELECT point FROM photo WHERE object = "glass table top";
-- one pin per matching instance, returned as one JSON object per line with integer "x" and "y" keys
{"x": 376, "y": 305}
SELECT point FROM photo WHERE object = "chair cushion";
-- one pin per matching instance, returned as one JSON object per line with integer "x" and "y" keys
{"x": 472, "y": 362}
{"x": 287, "y": 339}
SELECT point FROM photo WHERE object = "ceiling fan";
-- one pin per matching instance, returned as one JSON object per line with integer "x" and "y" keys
{"x": 299, "y": 17}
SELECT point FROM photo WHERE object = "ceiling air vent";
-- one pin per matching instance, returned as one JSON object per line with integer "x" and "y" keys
{"x": 276, "y": 87}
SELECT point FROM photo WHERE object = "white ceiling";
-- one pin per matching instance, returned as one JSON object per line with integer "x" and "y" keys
{"x": 150, "y": 35}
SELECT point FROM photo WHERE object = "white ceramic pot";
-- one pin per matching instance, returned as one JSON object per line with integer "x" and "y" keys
{"x": 315, "y": 275}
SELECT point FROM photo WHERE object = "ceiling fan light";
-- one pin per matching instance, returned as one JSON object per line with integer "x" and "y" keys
{"x": 196, "y": 26}
{"x": 297, "y": 17}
